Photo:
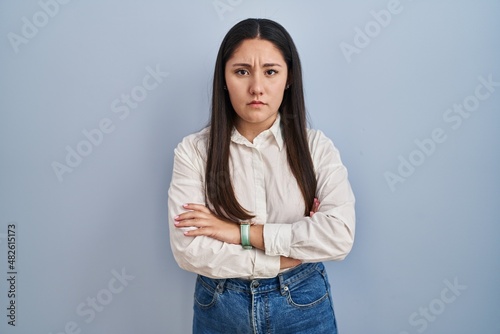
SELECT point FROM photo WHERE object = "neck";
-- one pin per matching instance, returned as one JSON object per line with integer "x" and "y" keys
{"x": 252, "y": 130}
{"x": 249, "y": 134}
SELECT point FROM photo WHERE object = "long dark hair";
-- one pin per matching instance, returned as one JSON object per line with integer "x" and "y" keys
{"x": 219, "y": 189}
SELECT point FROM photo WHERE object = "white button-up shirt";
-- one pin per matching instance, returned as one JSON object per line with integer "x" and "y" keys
{"x": 265, "y": 186}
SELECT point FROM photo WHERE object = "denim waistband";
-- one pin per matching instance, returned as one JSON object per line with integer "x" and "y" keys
{"x": 252, "y": 286}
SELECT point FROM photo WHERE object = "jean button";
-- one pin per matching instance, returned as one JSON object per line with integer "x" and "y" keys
{"x": 255, "y": 284}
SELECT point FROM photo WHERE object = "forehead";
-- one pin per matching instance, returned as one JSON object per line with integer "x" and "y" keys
{"x": 253, "y": 49}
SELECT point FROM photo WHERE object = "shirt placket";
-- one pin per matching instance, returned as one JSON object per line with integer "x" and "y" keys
{"x": 260, "y": 186}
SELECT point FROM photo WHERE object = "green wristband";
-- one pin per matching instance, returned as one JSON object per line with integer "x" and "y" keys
{"x": 245, "y": 236}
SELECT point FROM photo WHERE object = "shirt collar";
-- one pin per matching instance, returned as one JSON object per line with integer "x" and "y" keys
{"x": 274, "y": 130}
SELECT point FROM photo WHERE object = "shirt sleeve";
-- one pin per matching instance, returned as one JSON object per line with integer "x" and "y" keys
{"x": 329, "y": 233}
{"x": 201, "y": 254}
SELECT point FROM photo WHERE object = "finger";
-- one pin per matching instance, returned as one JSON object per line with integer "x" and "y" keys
{"x": 198, "y": 232}
{"x": 191, "y": 215}
{"x": 195, "y": 222}
{"x": 188, "y": 228}
{"x": 196, "y": 207}
{"x": 192, "y": 225}
{"x": 315, "y": 204}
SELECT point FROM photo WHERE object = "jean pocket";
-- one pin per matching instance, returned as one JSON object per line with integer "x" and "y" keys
{"x": 205, "y": 296}
{"x": 308, "y": 292}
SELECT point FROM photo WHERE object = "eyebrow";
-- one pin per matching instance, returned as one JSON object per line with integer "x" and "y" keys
{"x": 248, "y": 65}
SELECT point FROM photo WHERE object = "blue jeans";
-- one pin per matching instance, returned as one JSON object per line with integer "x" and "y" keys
{"x": 296, "y": 301}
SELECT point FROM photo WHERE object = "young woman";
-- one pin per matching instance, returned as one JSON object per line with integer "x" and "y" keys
{"x": 257, "y": 201}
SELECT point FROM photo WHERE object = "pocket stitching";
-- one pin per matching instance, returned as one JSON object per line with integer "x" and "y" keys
{"x": 210, "y": 291}
{"x": 319, "y": 300}
{"x": 291, "y": 302}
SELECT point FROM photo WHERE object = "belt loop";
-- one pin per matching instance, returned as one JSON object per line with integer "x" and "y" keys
{"x": 283, "y": 287}
{"x": 220, "y": 286}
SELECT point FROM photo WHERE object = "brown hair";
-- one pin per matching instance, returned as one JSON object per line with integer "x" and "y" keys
{"x": 219, "y": 190}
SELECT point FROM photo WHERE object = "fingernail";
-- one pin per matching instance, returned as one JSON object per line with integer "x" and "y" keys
{"x": 185, "y": 205}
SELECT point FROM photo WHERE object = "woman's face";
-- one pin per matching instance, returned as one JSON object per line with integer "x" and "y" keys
{"x": 256, "y": 77}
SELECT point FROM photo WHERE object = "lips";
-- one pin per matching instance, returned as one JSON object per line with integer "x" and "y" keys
{"x": 256, "y": 103}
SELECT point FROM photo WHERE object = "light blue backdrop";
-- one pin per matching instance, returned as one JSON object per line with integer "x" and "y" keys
{"x": 96, "y": 95}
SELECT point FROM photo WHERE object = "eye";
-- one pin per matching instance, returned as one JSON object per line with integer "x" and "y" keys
{"x": 271, "y": 72}
{"x": 241, "y": 72}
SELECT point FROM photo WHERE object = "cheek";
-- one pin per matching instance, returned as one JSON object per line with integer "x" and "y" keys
{"x": 237, "y": 91}
{"x": 237, "y": 101}
{"x": 234, "y": 96}
{"x": 278, "y": 96}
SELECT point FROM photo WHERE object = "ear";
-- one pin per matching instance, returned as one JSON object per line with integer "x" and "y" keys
{"x": 289, "y": 79}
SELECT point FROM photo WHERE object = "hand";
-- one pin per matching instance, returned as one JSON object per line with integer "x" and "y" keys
{"x": 315, "y": 207}
{"x": 208, "y": 224}
{"x": 288, "y": 262}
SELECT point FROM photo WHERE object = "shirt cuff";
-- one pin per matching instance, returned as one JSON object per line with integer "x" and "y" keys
{"x": 277, "y": 239}
{"x": 265, "y": 266}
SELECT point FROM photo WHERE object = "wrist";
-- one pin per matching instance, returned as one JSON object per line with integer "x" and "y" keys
{"x": 257, "y": 236}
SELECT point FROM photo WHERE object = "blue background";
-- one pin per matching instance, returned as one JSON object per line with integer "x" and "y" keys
{"x": 436, "y": 227}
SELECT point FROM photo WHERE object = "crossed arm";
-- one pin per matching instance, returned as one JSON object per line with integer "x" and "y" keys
{"x": 213, "y": 247}
{"x": 210, "y": 225}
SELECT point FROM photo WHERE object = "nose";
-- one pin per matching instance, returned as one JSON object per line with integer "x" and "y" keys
{"x": 256, "y": 85}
